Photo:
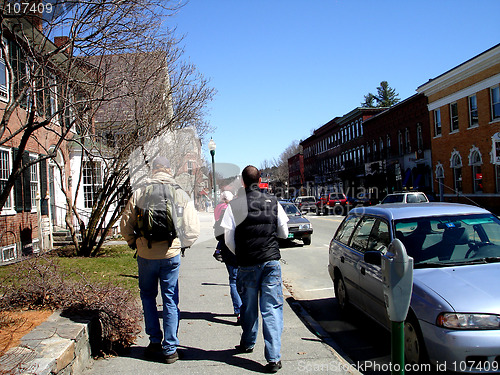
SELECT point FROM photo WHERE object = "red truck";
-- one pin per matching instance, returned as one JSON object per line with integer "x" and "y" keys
{"x": 335, "y": 203}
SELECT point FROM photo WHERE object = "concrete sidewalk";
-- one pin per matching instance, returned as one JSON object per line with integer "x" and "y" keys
{"x": 208, "y": 333}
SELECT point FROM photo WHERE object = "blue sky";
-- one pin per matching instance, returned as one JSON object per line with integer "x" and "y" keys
{"x": 283, "y": 68}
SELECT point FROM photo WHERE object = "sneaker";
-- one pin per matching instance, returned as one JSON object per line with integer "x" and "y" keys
{"x": 153, "y": 349}
{"x": 238, "y": 320}
{"x": 241, "y": 349}
{"x": 171, "y": 358}
{"x": 273, "y": 367}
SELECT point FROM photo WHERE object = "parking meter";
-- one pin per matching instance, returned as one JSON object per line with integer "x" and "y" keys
{"x": 397, "y": 275}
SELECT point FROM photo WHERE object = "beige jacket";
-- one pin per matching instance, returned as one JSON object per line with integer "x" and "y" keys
{"x": 160, "y": 249}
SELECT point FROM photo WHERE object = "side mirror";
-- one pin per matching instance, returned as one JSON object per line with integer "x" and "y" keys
{"x": 373, "y": 257}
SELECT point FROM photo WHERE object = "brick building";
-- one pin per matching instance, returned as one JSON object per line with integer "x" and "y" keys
{"x": 296, "y": 175}
{"x": 464, "y": 113}
{"x": 398, "y": 144}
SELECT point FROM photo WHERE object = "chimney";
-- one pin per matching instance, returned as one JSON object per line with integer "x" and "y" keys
{"x": 36, "y": 10}
{"x": 60, "y": 41}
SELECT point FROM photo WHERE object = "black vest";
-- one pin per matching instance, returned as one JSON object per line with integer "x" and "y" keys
{"x": 256, "y": 218}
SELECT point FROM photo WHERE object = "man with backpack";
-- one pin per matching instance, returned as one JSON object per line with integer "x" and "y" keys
{"x": 159, "y": 221}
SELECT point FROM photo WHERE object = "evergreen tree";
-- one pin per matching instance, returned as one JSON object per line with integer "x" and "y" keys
{"x": 386, "y": 97}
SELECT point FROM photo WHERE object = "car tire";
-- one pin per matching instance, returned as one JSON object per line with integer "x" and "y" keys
{"x": 307, "y": 240}
{"x": 341, "y": 293}
{"x": 415, "y": 352}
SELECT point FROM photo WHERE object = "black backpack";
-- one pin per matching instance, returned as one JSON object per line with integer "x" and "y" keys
{"x": 156, "y": 214}
{"x": 218, "y": 230}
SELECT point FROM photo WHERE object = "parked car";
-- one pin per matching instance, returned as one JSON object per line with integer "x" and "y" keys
{"x": 306, "y": 203}
{"x": 335, "y": 203}
{"x": 299, "y": 228}
{"x": 363, "y": 199}
{"x": 454, "y": 314}
{"x": 406, "y": 197}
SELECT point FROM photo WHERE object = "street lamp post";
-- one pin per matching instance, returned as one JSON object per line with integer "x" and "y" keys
{"x": 211, "y": 147}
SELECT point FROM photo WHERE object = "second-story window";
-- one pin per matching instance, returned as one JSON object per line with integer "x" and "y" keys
{"x": 34, "y": 185}
{"x": 473, "y": 119}
{"x": 453, "y": 117}
{"x": 5, "y": 165}
{"x": 400, "y": 143}
{"x": 437, "y": 123}
{"x": 420, "y": 138}
{"x": 3, "y": 78}
{"x": 407, "y": 141}
{"x": 495, "y": 102}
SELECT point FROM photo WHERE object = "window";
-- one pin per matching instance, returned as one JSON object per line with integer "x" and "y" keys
{"x": 453, "y": 117}
{"x": 190, "y": 167}
{"x": 8, "y": 253}
{"x": 473, "y": 119}
{"x": 362, "y": 234}
{"x": 401, "y": 144}
{"x": 388, "y": 142}
{"x": 345, "y": 231}
{"x": 407, "y": 141}
{"x": 34, "y": 182}
{"x": 477, "y": 176}
{"x": 495, "y": 102}
{"x": 92, "y": 182}
{"x": 456, "y": 165}
{"x": 3, "y": 77}
{"x": 5, "y": 169}
{"x": 437, "y": 123}
{"x": 381, "y": 142}
{"x": 420, "y": 139}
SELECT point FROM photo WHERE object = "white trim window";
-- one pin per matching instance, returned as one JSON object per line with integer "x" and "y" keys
{"x": 4, "y": 76}
{"x": 92, "y": 182}
{"x": 5, "y": 170}
{"x": 477, "y": 175}
{"x": 495, "y": 102}
{"x": 8, "y": 253}
{"x": 437, "y": 123}
{"x": 34, "y": 182}
{"x": 473, "y": 119}
{"x": 453, "y": 117}
{"x": 456, "y": 166}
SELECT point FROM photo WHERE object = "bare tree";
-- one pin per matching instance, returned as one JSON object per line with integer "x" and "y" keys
{"x": 116, "y": 59}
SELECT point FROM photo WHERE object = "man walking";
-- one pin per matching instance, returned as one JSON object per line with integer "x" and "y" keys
{"x": 158, "y": 251}
{"x": 252, "y": 224}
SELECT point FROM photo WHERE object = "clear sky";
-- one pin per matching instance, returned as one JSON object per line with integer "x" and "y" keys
{"x": 283, "y": 68}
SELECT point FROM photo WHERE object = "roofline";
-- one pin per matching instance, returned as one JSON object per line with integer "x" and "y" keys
{"x": 483, "y": 56}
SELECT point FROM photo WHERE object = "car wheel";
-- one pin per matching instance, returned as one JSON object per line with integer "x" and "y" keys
{"x": 415, "y": 352}
{"x": 341, "y": 293}
{"x": 307, "y": 240}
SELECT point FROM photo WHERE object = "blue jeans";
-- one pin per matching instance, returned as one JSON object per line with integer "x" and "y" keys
{"x": 261, "y": 285}
{"x": 167, "y": 272}
{"x": 235, "y": 297}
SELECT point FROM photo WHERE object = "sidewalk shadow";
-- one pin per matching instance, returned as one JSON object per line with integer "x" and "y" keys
{"x": 186, "y": 353}
{"x": 227, "y": 356}
{"x": 208, "y": 316}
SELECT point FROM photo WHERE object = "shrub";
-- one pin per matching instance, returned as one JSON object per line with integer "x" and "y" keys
{"x": 40, "y": 283}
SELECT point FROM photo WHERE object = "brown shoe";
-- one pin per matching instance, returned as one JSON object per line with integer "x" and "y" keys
{"x": 171, "y": 358}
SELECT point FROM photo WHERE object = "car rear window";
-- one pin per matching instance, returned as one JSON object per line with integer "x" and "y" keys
{"x": 396, "y": 198}
{"x": 310, "y": 199}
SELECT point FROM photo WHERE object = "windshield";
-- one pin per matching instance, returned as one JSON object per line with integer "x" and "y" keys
{"x": 450, "y": 240}
{"x": 291, "y": 209}
{"x": 396, "y": 198}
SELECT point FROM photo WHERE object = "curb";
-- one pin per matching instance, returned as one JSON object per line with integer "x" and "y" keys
{"x": 57, "y": 346}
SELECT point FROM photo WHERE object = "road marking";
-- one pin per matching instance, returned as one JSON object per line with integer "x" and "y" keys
{"x": 317, "y": 290}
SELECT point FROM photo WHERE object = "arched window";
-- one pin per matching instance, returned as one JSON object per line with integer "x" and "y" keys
{"x": 381, "y": 142}
{"x": 475, "y": 161}
{"x": 401, "y": 144}
{"x": 388, "y": 143}
{"x": 456, "y": 166}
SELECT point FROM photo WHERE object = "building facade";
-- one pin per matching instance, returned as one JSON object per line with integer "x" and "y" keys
{"x": 464, "y": 113}
{"x": 398, "y": 145}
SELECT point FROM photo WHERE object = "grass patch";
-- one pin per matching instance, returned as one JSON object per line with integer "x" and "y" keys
{"x": 115, "y": 264}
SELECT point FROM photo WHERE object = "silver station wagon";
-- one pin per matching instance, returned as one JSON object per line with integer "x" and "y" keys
{"x": 454, "y": 314}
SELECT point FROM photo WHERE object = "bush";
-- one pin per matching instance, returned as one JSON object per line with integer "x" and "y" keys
{"x": 40, "y": 283}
